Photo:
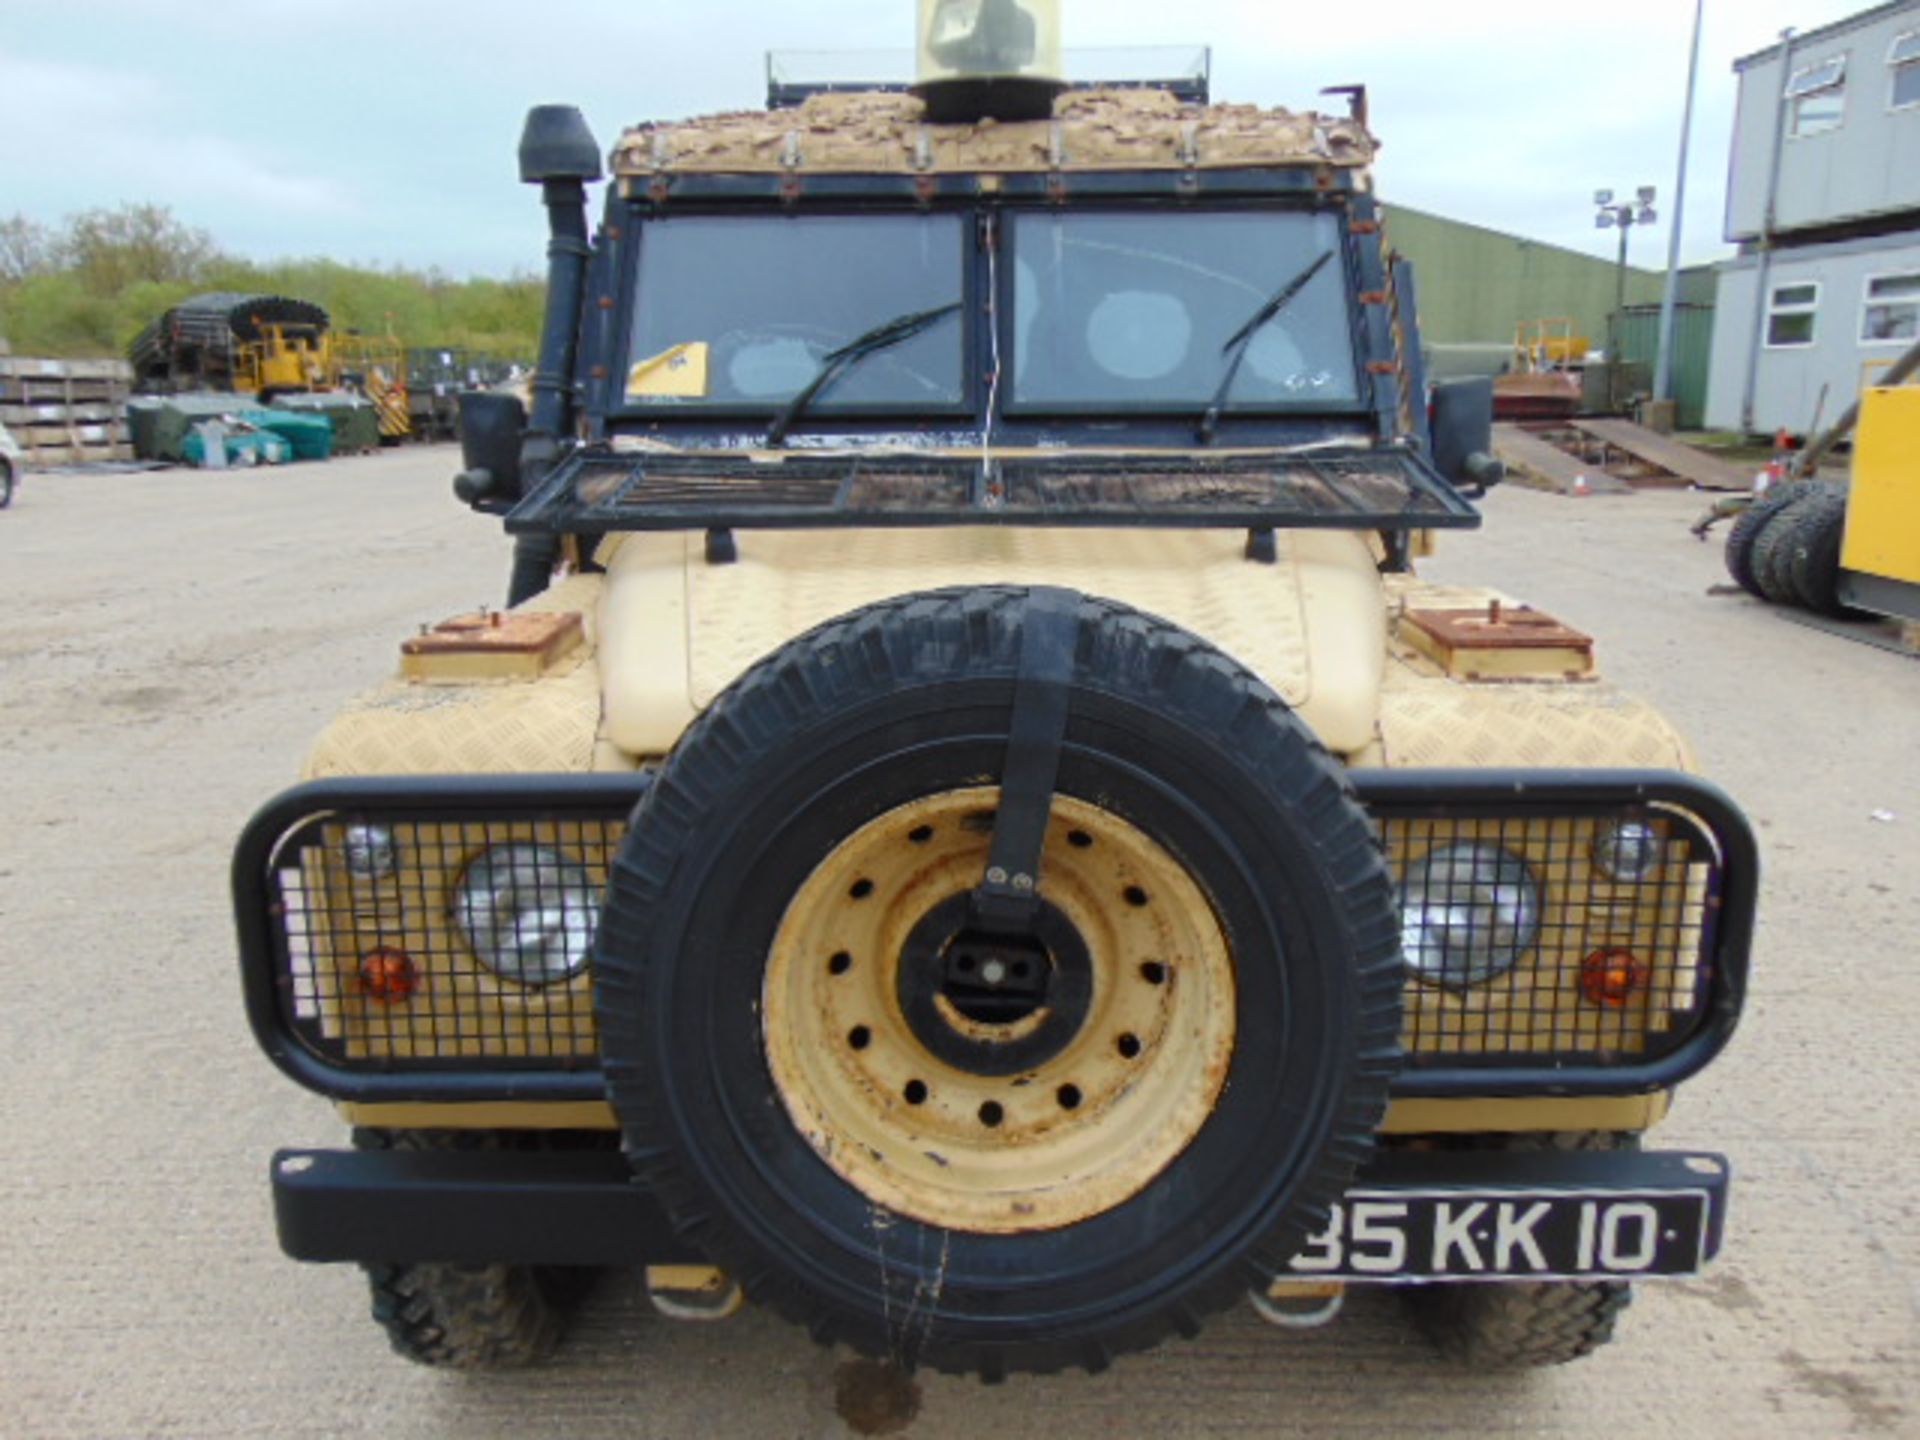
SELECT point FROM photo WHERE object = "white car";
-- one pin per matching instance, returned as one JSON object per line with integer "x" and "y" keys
{"x": 11, "y": 460}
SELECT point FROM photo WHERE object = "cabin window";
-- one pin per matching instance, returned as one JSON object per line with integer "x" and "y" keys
{"x": 1893, "y": 310}
{"x": 1817, "y": 97}
{"x": 1904, "y": 59}
{"x": 1790, "y": 315}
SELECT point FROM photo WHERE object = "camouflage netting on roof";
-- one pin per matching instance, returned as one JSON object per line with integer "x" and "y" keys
{"x": 869, "y": 131}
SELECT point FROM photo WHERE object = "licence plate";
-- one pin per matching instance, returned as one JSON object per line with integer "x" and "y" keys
{"x": 1407, "y": 1235}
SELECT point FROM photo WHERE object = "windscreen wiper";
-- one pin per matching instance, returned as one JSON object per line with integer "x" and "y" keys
{"x": 1238, "y": 343}
{"x": 880, "y": 337}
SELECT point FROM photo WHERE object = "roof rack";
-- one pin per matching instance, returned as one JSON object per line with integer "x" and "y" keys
{"x": 1183, "y": 71}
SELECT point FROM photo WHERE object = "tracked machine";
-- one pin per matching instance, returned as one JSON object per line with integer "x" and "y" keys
{"x": 971, "y": 831}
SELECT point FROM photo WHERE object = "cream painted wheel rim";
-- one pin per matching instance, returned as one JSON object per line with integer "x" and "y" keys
{"x": 1078, "y": 1133}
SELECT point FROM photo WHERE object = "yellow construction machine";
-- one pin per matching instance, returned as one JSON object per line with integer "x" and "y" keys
{"x": 1847, "y": 550}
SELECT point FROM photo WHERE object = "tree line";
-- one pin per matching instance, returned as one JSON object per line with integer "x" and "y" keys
{"x": 87, "y": 286}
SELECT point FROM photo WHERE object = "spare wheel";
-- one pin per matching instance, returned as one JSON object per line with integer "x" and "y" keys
{"x": 930, "y": 1108}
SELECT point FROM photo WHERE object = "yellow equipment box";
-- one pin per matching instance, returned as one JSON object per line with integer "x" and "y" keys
{"x": 1883, "y": 506}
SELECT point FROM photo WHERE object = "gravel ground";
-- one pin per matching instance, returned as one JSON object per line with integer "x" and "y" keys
{"x": 173, "y": 640}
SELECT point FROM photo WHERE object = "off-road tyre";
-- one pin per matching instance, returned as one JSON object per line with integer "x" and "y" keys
{"x": 1817, "y": 531}
{"x": 6, "y": 482}
{"x": 1523, "y": 1325}
{"x": 1747, "y": 527}
{"x": 1773, "y": 550}
{"x": 911, "y": 698}
{"x": 474, "y": 1317}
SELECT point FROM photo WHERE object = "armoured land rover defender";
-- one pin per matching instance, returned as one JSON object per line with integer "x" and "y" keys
{"x": 970, "y": 830}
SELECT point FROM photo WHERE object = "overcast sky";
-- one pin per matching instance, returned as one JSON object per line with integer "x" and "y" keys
{"x": 384, "y": 130}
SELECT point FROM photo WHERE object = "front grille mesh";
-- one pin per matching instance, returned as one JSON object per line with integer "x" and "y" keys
{"x": 379, "y": 972}
{"x": 347, "y": 996}
{"x": 1539, "y": 1010}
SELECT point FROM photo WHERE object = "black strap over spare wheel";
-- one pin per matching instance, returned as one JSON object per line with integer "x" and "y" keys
{"x": 1007, "y": 897}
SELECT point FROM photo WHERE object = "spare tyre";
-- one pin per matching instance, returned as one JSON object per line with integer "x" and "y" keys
{"x": 1818, "y": 533}
{"x": 995, "y": 1150}
{"x": 1773, "y": 548}
{"x": 1746, "y": 530}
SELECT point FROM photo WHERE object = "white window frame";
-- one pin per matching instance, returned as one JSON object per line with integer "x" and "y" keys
{"x": 1810, "y": 308}
{"x": 1867, "y": 303}
{"x": 1801, "y": 87}
{"x": 1896, "y": 63}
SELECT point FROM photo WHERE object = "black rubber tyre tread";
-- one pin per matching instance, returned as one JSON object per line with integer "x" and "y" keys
{"x": 1818, "y": 529}
{"x": 1746, "y": 531}
{"x": 1524, "y": 1325}
{"x": 6, "y": 482}
{"x": 965, "y": 634}
{"x": 1773, "y": 554}
{"x": 475, "y": 1317}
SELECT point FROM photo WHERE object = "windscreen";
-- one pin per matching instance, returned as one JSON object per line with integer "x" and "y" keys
{"x": 1147, "y": 310}
{"x": 742, "y": 312}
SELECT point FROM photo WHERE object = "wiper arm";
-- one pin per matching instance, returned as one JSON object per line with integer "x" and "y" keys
{"x": 1238, "y": 343}
{"x": 881, "y": 337}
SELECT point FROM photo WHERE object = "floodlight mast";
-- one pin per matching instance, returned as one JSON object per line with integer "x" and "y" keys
{"x": 1622, "y": 215}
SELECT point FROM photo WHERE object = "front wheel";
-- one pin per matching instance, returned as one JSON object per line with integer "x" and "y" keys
{"x": 1524, "y": 1324}
{"x": 473, "y": 1317}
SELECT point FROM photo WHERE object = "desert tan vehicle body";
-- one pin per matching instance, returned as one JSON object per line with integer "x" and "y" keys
{"x": 1572, "y": 909}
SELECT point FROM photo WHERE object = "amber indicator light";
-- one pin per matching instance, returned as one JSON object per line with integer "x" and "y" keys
{"x": 1612, "y": 977}
{"x": 387, "y": 975}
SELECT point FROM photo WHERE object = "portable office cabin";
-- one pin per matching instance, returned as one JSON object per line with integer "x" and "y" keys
{"x": 1824, "y": 202}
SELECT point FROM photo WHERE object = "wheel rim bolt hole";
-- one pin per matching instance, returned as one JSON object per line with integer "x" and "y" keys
{"x": 861, "y": 889}
{"x": 1135, "y": 896}
{"x": 1079, "y": 839}
{"x": 920, "y": 834}
{"x": 1068, "y": 1096}
{"x": 991, "y": 1114}
{"x": 915, "y": 1092}
{"x": 859, "y": 1037}
{"x": 839, "y": 963}
{"x": 1153, "y": 972}
{"x": 1128, "y": 1045}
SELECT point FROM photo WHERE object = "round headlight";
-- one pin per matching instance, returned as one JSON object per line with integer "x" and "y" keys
{"x": 528, "y": 911}
{"x": 370, "y": 851}
{"x": 1467, "y": 914}
{"x": 1628, "y": 851}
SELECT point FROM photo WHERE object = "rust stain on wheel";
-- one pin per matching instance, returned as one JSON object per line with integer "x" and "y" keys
{"x": 889, "y": 1026}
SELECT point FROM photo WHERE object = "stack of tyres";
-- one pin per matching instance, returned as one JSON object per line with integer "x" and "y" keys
{"x": 1786, "y": 547}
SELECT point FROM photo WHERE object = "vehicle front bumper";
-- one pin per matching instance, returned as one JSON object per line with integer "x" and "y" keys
{"x": 1411, "y": 1217}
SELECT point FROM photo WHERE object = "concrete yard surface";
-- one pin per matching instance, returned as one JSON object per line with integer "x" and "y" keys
{"x": 172, "y": 642}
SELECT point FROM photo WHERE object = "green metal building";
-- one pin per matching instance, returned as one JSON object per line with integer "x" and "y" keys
{"x": 1478, "y": 286}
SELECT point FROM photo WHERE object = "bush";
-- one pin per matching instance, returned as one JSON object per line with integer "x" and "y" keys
{"x": 88, "y": 288}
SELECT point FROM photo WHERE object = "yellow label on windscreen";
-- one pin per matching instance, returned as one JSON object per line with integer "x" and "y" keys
{"x": 680, "y": 371}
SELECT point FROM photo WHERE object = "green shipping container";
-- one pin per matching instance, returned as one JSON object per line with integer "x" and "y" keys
{"x": 1692, "y": 353}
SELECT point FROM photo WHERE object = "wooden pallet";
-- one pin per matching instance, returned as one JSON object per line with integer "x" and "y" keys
{"x": 44, "y": 446}
{"x": 94, "y": 412}
{"x": 54, "y": 457}
{"x": 66, "y": 412}
{"x": 23, "y": 367}
{"x": 30, "y": 382}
